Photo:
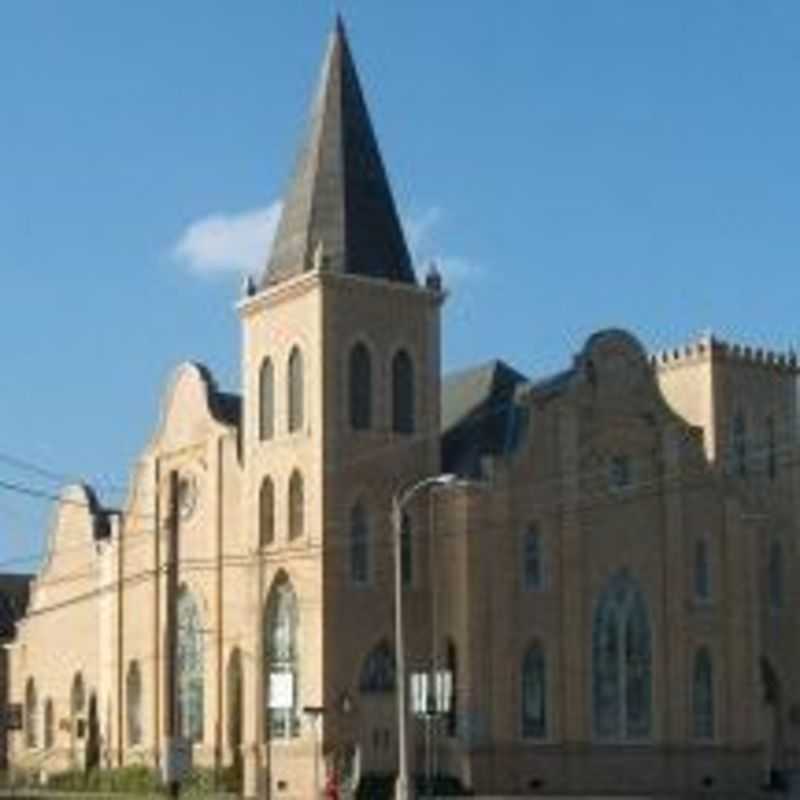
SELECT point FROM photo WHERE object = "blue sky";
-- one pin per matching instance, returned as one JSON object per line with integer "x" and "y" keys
{"x": 573, "y": 165}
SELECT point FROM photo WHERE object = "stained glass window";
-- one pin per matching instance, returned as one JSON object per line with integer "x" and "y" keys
{"x": 533, "y": 576}
{"x": 281, "y": 661}
{"x": 133, "y": 686}
{"x": 359, "y": 544}
{"x": 402, "y": 393}
{"x": 295, "y": 390}
{"x": 190, "y": 668}
{"x": 622, "y": 656}
{"x": 266, "y": 411}
{"x": 703, "y": 695}
{"x": 360, "y": 388}
{"x": 534, "y": 693}
{"x": 378, "y": 672}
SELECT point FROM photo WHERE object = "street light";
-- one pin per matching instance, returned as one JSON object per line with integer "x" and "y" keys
{"x": 400, "y": 499}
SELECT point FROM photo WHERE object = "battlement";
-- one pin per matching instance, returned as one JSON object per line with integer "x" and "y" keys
{"x": 709, "y": 346}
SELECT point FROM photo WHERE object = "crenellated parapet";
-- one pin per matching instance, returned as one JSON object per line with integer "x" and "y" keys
{"x": 710, "y": 347}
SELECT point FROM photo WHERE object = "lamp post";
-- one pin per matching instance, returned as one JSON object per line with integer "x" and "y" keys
{"x": 399, "y": 501}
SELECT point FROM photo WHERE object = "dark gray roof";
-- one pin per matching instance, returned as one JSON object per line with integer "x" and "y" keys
{"x": 479, "y": 415}
{"x": 339, "y": 195}
{"x": 14, "y": 592}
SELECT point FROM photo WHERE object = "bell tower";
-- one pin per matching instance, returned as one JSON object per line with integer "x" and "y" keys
{"x": 341, "y": 373}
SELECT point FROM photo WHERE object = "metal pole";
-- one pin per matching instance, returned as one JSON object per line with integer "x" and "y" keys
{"x": 172, "y": 622}
{"x": 401, "y": 789}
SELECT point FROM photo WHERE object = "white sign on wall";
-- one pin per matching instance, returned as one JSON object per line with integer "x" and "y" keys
{"x": 281, "y": 690}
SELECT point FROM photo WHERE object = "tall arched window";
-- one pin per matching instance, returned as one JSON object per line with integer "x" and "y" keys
{"x": 281, "y": 661}
{"x": 49, "y": 724}
{"x": 266, "y": 406}
{"x": 533, "y": 571}
{"x": 406, "y": 551}
{"x": 359, "y": 544}
{"x": 295, "y": 390}
{"x": 703, "y": 696}
{"x": 621, "y": 661}
{"x": 360, "y": 388}
{"x": 191, "y": 667}
{"x": 739, "y": 444}
{"x": 235, "y": 705}
{"x": 266, "y": 512}
{"x": 702, "y": 576}
{"x": 77, "y": 695}
{"x": 296, "y": 506}
{"x": 772, "y": 460}
{"x": 452, "y": 668}
{"x": 31, "y": 714}
{"x": 378, "y": 670}
{"x": 402, "y": 393}
{"x": 775, "y": 575}
{"x": 133, "y": 691}
{"x": 534, "y": 693}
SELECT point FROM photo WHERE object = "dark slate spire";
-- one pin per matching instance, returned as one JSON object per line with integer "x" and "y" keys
{"x": 338, "y": 212}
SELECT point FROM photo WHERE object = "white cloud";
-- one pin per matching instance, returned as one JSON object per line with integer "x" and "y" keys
{"x": 229, "y": 243}
{"x": 420, "y": 229}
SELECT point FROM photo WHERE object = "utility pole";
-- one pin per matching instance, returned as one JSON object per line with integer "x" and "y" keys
{"x": 171, "y": 726}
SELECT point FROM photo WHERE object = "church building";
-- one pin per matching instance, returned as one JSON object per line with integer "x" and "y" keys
{"x": 607, "y": 590}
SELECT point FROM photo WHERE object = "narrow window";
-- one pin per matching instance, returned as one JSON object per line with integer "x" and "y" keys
{"x": 739, "y": 445}
{"x": 378, "y": 671}
{"x": 295, "y": 390}
{"x": 49, "y": 724}
{"x": 266, "y": 412}
{"x": 534, "y": 693}
{"x": 281, "y": 661}
{"x": 402, "y": 393}
{"x": 296, "y": 506}
{"x": 359, "y": 544}
{"x": 133, "y": 689}
{"x": 532, "y": 558}
{"x": 775, "y": 576}
{"x": 31, "y": 714}
{"x": 702, "y": 577}
{"x": 406, "y": 552}
{"x": 266, "y": 512}
{"x": 190, "y": 668}
{"x": 703, "y": 695}
{"x": 360, "y": 388}
{"x": 620, "y": 472}
{"x": 772, "y": 461}
{"x": 621, "y": 661}
{"x": 452, "y": 668}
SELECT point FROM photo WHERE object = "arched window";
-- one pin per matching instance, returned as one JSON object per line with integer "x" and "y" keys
{"x": 534, "y": 693}
{"x": 133, "y": 691}
{"x": 295, "y": 390}
{"x": 533, "y": 572}
{"x": 191, "y": 668}
{"x": 622, "y": 657}
{"x": 360, "y": 388}
{"x": 402, "y": 393}
{"x": 702, "y": 576}
{"x": 281, "y": 661}
{"x": 772, "y": 460}
{"x": 296, "y": 506}
{"x": 266, "y": 406}
{"x": 775, "y": 576}
{"x": 77, "y": 695}
{"x": 452, "y": 668}
{"x": 359, "y": 544}
{"x": 49, "y": 724}
{"x": 703, "y": 696}
{"x": 266, "y": 512}
{"x": 739, "y": 444}
{"x": 235, "y": 704}
{"x": 406, "y": 552}
{"x": 31, "y": 714}
{"x": 378, "y": 671}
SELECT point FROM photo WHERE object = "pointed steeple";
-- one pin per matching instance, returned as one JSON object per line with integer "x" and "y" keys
{"x": 338, "y": 212}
